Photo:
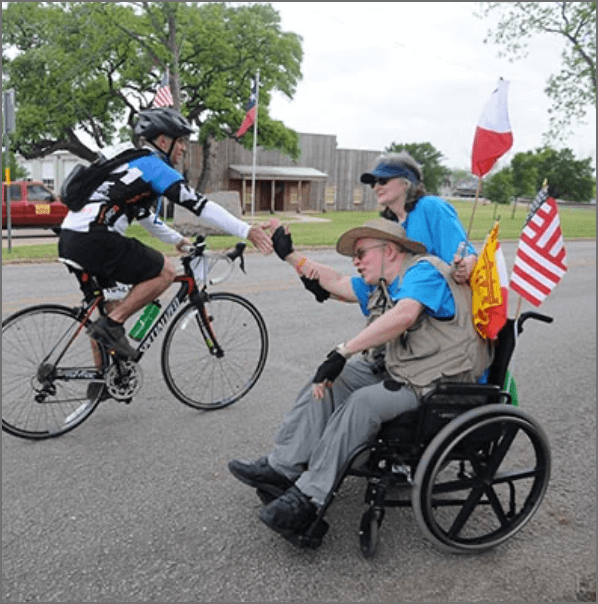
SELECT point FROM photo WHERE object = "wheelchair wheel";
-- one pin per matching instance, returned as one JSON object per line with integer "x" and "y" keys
{"x": 370, "y": 531}
{"x": 481, "y": 479}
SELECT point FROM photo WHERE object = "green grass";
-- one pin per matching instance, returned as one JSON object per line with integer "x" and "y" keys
{"x": 577, "y": 223}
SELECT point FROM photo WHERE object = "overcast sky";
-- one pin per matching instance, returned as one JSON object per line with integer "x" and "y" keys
{"x": 375, "y": 73}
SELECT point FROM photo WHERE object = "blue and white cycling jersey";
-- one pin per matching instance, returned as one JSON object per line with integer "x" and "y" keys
{"x": 133, "y": 188}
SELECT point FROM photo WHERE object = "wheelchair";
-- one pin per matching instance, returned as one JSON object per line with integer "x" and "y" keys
{"x": 474, "y": 468}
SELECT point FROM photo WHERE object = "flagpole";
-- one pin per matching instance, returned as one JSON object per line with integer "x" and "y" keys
{"x": 253, "y": 175}
{"x": 475, "y": 208}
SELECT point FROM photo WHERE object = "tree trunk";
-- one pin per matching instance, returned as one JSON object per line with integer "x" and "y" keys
{"x": 206, "y": 166}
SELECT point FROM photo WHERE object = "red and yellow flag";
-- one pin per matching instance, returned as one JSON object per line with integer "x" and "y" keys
{"x": 489, "y": 284}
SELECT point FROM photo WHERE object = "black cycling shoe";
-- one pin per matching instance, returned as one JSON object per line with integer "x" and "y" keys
{"x": 114, "y": 338}
{"x": 259, "y": 474}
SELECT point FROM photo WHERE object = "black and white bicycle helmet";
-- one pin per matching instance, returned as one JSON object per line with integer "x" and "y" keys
{"x": 163, "y": 120}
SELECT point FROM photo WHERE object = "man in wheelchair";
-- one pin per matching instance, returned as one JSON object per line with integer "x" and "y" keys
{"x": 419, "y": 333}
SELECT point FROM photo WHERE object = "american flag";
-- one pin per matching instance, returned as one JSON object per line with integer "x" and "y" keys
{"x": 541, "y": 261}
{"x": 163, "y": 97}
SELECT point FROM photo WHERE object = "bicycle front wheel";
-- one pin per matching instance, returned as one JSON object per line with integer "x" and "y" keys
{"x": 212, "y": 357}
{"x": 49, "y": 368}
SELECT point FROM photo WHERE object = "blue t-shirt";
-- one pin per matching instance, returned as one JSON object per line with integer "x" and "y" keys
{"x": 422, "y": 282}
{"x": 435, "y": 223}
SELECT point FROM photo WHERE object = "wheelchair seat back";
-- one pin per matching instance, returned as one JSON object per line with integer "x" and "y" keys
{"x": 449, "y": 400}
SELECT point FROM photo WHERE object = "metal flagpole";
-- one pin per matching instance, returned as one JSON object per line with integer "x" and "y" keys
{"x": 253, "y": 176}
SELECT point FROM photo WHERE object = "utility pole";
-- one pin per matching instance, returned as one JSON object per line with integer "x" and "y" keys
{"x": 8, "y": 127}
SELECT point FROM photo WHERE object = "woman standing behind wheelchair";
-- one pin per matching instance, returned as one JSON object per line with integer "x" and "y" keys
{"x": 398, "y": 182}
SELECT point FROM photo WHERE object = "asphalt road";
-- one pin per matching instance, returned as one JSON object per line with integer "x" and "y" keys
{"x": 137, "y": 505}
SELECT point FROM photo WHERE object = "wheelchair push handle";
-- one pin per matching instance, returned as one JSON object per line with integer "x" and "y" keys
{"x": 532, "y": 315}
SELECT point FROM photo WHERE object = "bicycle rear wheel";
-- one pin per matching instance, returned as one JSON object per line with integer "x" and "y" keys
{"x": 210, "y": 366}
{"x": 48, "y": 367}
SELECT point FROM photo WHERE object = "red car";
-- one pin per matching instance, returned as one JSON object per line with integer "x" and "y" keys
{"x": 32, "y": 204}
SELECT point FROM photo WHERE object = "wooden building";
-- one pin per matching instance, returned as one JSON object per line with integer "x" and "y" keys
{"x": 325, "y": 178}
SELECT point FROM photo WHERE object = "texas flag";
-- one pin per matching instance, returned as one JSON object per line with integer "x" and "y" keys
{"x": 251, "y": 112}
{"x": 494, "y": 136}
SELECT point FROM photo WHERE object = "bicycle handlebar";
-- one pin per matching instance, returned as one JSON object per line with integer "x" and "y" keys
{"x": 198, "y": 251}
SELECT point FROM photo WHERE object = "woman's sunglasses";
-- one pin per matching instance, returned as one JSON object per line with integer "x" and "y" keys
{"x": 380, "y": 181}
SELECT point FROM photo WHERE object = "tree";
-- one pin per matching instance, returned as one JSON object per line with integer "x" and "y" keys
{"x": 430, "y": 159}
{"x": 525, "y": 174}
{"x": 573, "y": 89}
{"x": 83, "y": 67}
{"x": 568, "y": 178}
{"x": 499, "y": 187}
{"x": 17, "y": 172}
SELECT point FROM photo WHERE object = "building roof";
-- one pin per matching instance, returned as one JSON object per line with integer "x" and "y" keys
{"x": 278, "y": 173}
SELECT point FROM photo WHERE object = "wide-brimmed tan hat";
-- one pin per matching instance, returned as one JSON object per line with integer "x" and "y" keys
{"x": 379, "y": 228}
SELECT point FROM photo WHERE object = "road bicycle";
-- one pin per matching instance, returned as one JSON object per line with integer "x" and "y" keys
{"x": 54, "y": 375}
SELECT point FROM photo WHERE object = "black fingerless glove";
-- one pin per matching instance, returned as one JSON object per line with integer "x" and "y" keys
{"x": 331, "y": 368}
{"x": 283, "y": 243}
{"x": 313, "y": 285}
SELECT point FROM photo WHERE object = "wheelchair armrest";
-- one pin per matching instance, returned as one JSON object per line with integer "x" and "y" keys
{"x": 462, "y": 390}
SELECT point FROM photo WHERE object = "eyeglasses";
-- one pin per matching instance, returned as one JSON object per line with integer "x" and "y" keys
{"x": 360, "y": 254}
{"x": 380, "y": 181}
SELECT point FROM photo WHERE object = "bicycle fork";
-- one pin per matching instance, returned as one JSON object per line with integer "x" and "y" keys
{"x": 206, "y": 325}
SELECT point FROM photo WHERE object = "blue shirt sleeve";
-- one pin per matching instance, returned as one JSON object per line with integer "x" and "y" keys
{"x": 363, "y": 291}
{"x": 157, "y": 173}
{"x": 435, "y": 223}
{"x": 422, "y": 282}
{"x": 425, "y": 284}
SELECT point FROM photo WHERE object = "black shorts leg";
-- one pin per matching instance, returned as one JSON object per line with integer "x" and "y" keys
{"x": 108, "y": 254}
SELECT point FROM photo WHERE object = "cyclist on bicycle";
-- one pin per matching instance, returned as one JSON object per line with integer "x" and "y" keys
{"x": 94, "y": 236}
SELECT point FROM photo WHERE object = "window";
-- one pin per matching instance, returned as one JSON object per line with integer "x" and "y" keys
{"x": 39, "y": 193}
{"x": 15, "y": 192}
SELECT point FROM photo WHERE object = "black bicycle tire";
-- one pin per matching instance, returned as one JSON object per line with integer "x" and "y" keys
{"x": 79, "y": 414}
{"x": 247, "y": 385}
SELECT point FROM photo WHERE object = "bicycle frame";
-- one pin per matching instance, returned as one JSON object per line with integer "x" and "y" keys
{"x": 199, "y": 298}
{"x": 189, "y": 289}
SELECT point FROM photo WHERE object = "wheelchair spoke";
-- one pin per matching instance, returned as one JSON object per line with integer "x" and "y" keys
{"x": 466, "y": 512}
{"x": 497, "y": 506}
{"x": 481, "y": 482}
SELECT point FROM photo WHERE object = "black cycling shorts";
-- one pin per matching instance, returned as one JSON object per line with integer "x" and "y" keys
{"x": 107, "y": 254}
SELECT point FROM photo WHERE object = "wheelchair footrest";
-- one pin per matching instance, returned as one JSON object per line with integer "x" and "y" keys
{"x": 314, "y": 537}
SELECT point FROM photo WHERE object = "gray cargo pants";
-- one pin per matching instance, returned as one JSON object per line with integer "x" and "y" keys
{"x": 317, "y": 437}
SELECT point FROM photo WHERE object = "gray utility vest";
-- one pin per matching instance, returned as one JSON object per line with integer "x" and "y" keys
{"x": 433, "y": 350}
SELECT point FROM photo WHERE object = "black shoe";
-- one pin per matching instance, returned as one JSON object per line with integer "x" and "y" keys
{"x": 259, "y": 474}
{"x": 291, "y": 514}
{"x": 113, "y": 337}
{"x": 96, "y": 388}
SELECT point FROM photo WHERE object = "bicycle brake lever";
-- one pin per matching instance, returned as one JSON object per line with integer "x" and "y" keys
{"x": 238, "y": 253}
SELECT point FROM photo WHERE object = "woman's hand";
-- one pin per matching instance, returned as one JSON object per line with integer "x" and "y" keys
{"x": 463, "y": 268}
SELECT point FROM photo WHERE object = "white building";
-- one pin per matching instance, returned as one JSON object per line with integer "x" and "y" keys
{"x": 52, "y": 169}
